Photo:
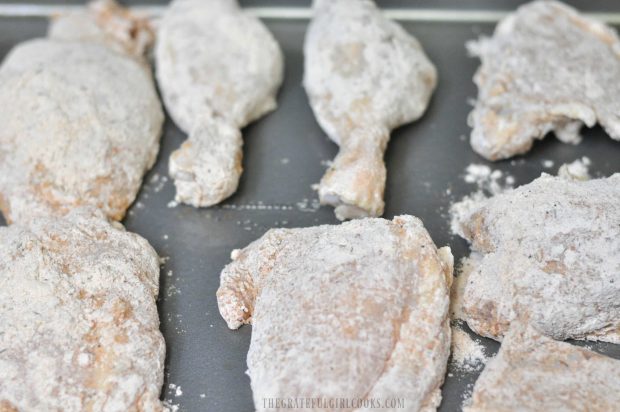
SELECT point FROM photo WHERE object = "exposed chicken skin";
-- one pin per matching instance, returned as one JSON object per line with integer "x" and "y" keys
{"x": 80, "y": 116}
{"x": 364, "y": 76}
{"x": 218, "y": 69}
{"x": 548, "y": 251}
{"x": 546, "y": 68}
{"x": 78, "y": 321}
{"x": 360, "y": 308}
{"x": 534, "y": 373}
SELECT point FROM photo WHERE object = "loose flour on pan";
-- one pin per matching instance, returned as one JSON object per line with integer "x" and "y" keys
{"x": 489, "y": 182}
{"x": 466, "y": 353}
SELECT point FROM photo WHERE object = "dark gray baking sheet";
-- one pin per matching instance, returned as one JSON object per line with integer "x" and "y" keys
{"x": 285, "y": 153}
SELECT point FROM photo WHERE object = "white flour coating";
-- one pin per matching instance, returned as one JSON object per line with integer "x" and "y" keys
{"x": 360, "y": 308}
{"x": 549, "y": 250}
{"x": 364, "y": 75}
{"x": 467, "y": 354}
{"x": 79, "y": 328}
{"x": 489, "y": 183}
{"x": 534, "y": 373}
{"x": 80, "y": 124}
{"x": 546, "y": 68}
{"x": 218, "y": 68}
{"x": 577, "y": 170}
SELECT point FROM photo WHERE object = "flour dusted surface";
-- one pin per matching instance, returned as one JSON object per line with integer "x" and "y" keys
{"x": 546, "y": 69}
{"x": 534, "y": 373}
{"x": 79, "y": 328}
{"x": 80, "y": 123}
{"x": 548, "y": 251}
{"x": 360, "y": 308}
{"x": 218, "y": 69}
{"x": 364, "y": 76}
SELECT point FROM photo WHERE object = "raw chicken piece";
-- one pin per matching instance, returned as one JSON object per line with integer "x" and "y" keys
{"x": 79, "y": 329}
{"x": 105, "y": 22}
{"x": 364, "y": 76}
{"x": 549, "y": 250}
{"x": 534, "y": 373}
{"x": 546, "y": 68}
{"x": 360, "y": 308}
{"x": 80, "y": 116}
{"x": 218, "y": 69}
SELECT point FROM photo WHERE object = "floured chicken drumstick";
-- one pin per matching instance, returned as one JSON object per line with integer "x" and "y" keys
{"x": 79, "y": 329}
{"x": 549, "y": 250}
{"x": 546, "y": 68}
{"x": 360, "y": 308}
{"x": 218, "y": 69}
{"x": 364, "y": 76}
{"x": 534, "y": 373}
{"x": 80, "y": 116}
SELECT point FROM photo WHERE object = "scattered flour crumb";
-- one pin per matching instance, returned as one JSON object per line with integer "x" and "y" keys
{"x": 157, "y": 182}
{"x": 477, "y": 173}
{"x": 256, "y": 206}
{"x": 172, "y": 291}
{"x": 516, "y": 162}
{"x": 489, "y": 182}
{"x": 170, "y": 407}
{"x": 176, "y": 388}
{"x": 285, "y": 160}
{"x": 487, "y": 179}
{"x": 308, "y": 205}
{"x": 547, "y": 164}
{"x": 466, "y": 395}
{"x": 326, "y": 163}
{"x": 468, "y": 355}
{"x": 172, "y": 203}
{"x": 577, "y": 170}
